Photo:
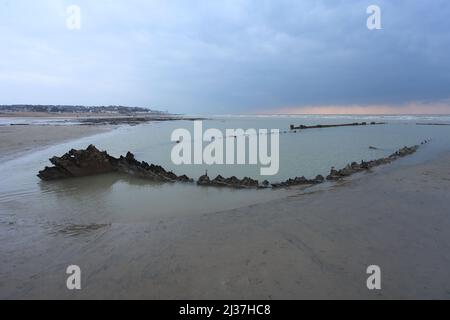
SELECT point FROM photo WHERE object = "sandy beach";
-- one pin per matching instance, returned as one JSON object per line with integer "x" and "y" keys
{"x": 313, "y": 244}
{"x": 18, "y": 140}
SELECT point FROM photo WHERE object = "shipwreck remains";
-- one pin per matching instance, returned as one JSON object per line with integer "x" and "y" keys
{"x": 367, "y": 165}
{"x": 297, "y": 181}
{"x": 91, "y": 161}
{"x": 80, "y": 163}
{"x": 432, "y": 124}
{"x": 232, "y": 182}
{"x": 321, "y": 126}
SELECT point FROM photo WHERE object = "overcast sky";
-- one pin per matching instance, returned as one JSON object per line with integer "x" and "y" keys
{"x": 220, "y": 56}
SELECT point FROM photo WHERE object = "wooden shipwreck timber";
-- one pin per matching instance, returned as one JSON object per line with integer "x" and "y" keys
{"x": 321, "y": 126}
{"x": 91, "y": 161}
{"x": 81, "y": 163}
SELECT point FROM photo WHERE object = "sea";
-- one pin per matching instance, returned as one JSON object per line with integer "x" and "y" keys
{"x": 117, "y": 198}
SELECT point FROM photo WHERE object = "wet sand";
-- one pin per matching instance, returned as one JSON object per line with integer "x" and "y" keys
{"x": 20, "y": 139}
{"x": 311, "y": 245}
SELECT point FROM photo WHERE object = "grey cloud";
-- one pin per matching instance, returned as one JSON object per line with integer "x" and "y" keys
{"x": 227, "y": 56}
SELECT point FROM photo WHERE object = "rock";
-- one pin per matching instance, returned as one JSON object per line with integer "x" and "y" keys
{"x": 231, "y": 182}
{"x": 219, "y": 179}
{"x": 347, "y": 171}
{"x": 301, "y": 180}
{"x": 319, "y": 179}
{"x": 185, "y": 178}
{"x": 355, "y": 166}
{"x": 130, "y": 157}
{"x": 364, "y": 165}
{"x": 53, "y": 173}
{"x": 367, "y": 165}
{"x": 302, "y": 127}
{"x": 79, "y": 163}
{"x": 249, "y": 182}
{"x": 203, "y": 180}
{"x": 334, "y": 174}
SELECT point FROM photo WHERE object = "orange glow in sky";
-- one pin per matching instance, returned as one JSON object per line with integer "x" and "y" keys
{"x": 442, "y": 107}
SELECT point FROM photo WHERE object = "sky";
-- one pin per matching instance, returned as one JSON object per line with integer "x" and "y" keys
{"x": 228, "y": 56}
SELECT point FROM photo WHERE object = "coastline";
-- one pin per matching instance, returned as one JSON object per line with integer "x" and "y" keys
{"x": 25, "y": 132}
{"x": 308, "y": 243}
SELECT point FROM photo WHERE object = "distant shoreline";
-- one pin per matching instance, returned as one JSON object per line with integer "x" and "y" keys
{"x": 92, "y": 116}
{"x": 63, "y": 115}
{"x": 21, "y": 138}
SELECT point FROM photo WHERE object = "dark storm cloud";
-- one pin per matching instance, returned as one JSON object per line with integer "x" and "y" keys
{"x": 226, "y": 56}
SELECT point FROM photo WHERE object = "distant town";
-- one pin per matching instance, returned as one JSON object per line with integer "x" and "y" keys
{"x": 78, "y": 109}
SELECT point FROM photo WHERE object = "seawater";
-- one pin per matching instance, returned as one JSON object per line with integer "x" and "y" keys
{"x": 118, "y": 198}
